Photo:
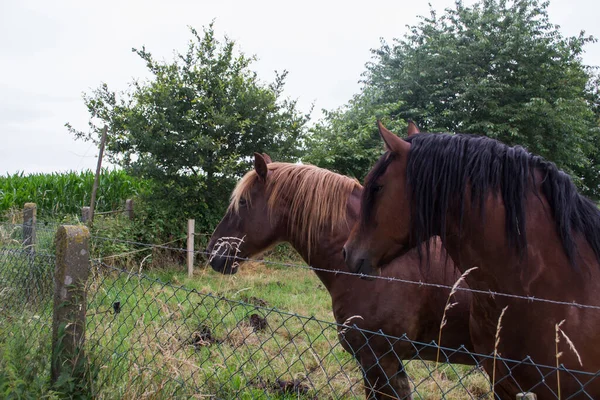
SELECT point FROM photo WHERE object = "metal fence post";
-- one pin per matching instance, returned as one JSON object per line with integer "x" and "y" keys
{"x": 129, "y": 208}
{"x": 29, "y": 219}
{"x": 68, "y": 321}
{"x": 190, "y": 247}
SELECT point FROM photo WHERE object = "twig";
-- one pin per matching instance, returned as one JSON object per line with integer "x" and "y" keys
{"x": 447, "y": 308}
{"x": 225, "y": 245}
{"x": 347, "y": 321}
{"x": 496, "y": 344}
{"x": 558, "y": 330}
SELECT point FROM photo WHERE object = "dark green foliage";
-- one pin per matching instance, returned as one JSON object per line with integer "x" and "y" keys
{"x": 498, "y": 68}
{"x": 192, "y": 128}
{"x": 347, "y": 140}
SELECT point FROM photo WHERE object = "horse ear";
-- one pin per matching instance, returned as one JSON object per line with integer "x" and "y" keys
{"x": 267, "y": 158}
{"x": 392, "y": 142}
{"x": 412, "y": 128}
{"x": 260, "y": 166}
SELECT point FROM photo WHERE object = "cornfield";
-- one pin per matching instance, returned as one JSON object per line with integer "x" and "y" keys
{"x": 66, "y": 193}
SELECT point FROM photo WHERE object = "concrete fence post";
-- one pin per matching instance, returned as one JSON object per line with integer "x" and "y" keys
{"x": 29, "y": 220}
{"x": 68, "y": 322}
{"x": 190, "y": 246}
{"x": 526, "y": 396}
{"x": 129, "y": 208}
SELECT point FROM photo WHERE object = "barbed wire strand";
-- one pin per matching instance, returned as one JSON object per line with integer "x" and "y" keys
{"x": 360, "y": 275}
{"x": 133, "y": 251}
{"x": 526, "y": 361}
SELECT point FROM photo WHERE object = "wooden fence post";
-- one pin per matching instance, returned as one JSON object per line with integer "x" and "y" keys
{"x": 68, "y": 321}
{"x": 97, "y": 176}
{"x": 526, "y": 396}
{"x": 29, "y": 219}
{"x": 85, "y": 214}
{"x": 190, "y": 247}
{"x": 129, "y": 208}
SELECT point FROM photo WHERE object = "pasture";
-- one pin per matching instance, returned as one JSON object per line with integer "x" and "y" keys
{"x": 180, "y": 337}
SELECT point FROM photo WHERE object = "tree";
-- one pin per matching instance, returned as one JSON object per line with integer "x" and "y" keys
{"x": 346, "y": 140}
{"x": 192, "y": 128}
{"x": 498, "y": 68}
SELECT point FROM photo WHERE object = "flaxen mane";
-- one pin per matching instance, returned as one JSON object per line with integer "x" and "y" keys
{"x": 315, "y": 198}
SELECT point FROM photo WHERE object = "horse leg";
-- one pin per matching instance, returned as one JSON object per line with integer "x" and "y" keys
{"x": 384, "y": 377}
{"x": 401, "y": 384}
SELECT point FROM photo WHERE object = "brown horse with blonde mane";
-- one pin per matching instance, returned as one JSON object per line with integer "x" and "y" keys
{"x": 517, "y": 219}
{"x": 314, "y": 210}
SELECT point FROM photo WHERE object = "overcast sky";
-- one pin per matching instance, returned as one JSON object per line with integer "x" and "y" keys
{"x": 52, "y": 51}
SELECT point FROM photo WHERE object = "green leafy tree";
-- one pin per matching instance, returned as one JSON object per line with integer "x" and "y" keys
{"x": 192, "y": 128}
{"x": 346, "y": 140}
{"x": 498, "y": 68}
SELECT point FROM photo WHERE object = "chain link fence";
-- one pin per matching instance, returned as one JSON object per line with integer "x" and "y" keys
{"x": 146, "y": 338}
{"x": 26, "y": 293}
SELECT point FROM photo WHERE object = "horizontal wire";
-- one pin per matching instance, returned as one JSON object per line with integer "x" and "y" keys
{"x": 360, "y": 275}
{"x": 526, "y": 361}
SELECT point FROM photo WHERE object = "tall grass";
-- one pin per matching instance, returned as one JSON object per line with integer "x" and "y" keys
{"x": 66, "y": 193}
{"x": 194, "y": 337}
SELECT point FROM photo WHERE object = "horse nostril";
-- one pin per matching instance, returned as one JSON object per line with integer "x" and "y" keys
{"x": 344, "y": 252}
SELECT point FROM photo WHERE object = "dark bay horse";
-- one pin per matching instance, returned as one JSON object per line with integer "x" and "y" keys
{"x": 521, "y": 222}
{"x": 314, "y": 210}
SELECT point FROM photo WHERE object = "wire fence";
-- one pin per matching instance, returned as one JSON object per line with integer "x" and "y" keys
{"x": 26, "y": 291}
{"x": 182, "y": 342}
{"x": 206, "y": 255}
{"x": 146, "y": 338}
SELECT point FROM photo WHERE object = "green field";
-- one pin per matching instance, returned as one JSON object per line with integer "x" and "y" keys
{"x": 198, "y": 337}
{"x": 66, "y": 193}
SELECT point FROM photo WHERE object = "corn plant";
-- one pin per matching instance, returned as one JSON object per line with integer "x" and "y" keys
{"x": 66, "y": 193}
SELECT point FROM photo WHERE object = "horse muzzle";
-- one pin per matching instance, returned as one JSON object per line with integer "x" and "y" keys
{"x": 359, "y": 262}
{"x": 225, "y": 265}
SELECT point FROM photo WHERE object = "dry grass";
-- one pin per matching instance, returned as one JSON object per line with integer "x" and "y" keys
{"x": 449, "y": 306}
{"x": 168, "y": 342}
{"x": 496, "y": 345}
{"x": 558, "y": 333}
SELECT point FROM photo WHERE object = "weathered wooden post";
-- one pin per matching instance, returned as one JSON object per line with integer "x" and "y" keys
{"x": 97, "y": 176}
{"x": 526, "y": 396}
{"x": 190, "y": 247}
{"x": 68, "y": 322}
{"x": 85, "y": 214}
{"x": 129, "y": 208}
{"x": 29, "y": 219}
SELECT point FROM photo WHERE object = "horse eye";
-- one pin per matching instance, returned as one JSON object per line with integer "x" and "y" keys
{"x": 377, "y": 188}
{"x": 242, "y": 202}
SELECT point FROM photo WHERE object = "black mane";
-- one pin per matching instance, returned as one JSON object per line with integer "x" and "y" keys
{"x": 440, "y": 165}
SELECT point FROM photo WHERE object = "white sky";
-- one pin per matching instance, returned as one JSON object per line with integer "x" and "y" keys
{"x": 52, "y": 51}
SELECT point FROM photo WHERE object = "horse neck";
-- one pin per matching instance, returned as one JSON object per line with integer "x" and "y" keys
{"x": 479, "y": 240}
{"x": 326, "y": 254}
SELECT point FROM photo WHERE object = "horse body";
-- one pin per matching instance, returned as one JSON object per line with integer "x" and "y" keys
{"x": 412, "y": 310}
{"x": 497, "y": 209}
{"x": 543, "y": 272}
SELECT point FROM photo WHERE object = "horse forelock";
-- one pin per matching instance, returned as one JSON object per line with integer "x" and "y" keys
{"x": 440, "y": 166}
{"x": 242, "y": 191}
{"x": 314, "y": 198}
{"x": 370, "y": 182}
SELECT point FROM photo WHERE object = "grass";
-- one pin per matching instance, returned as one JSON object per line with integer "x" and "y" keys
{"x": 204, "y": 342}
{"x": 211, "y": 335}
{"x": 25, "y": 324}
